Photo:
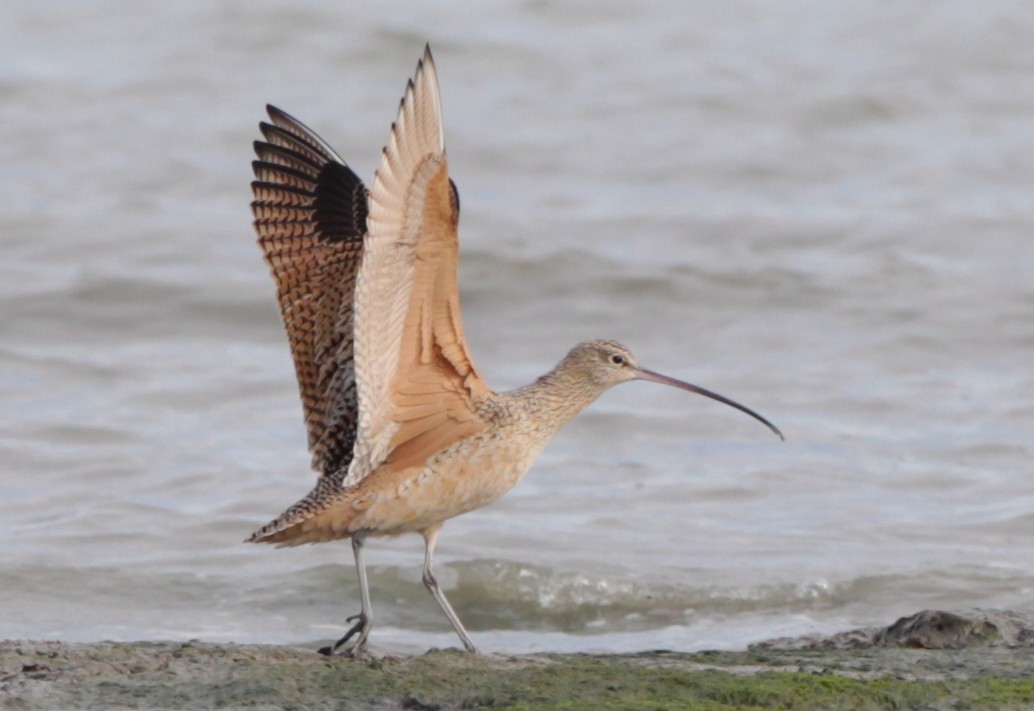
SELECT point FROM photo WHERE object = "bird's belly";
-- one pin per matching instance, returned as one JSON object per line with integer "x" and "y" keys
{"x": 462, "y": 478}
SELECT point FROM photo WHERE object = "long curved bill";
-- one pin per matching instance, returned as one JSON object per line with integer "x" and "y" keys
{"x": 665, "y": 380}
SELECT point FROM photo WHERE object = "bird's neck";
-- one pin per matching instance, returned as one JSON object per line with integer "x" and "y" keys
{"x": 556, "y": 397}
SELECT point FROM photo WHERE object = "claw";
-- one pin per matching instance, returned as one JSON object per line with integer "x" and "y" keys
{"x": 359, "y": 627}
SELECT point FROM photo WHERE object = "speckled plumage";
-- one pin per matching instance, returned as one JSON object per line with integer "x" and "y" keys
{"x": 471, "y": 472}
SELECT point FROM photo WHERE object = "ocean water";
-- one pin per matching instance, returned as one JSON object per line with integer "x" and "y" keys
{"x": 821, "y": 210}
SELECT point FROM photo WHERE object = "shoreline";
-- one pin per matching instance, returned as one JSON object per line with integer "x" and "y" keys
{"x": 933, "y": 659}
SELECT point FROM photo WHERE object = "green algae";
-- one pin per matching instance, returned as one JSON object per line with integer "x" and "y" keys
{"x": 197, "y": 675}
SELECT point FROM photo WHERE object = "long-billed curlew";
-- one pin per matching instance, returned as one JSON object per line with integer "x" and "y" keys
{"x": 402, "y": 429}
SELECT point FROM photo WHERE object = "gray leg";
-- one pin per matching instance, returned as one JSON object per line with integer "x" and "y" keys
{"x": 364, "y": 620}
{"x": 430, "y": 538}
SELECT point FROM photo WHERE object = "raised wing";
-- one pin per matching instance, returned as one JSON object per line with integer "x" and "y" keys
{"x": 416, "y": 379}
{"x": 310, "y": 214}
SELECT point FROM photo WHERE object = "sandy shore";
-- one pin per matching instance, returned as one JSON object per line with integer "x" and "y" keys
{"x": 931, "y": 660}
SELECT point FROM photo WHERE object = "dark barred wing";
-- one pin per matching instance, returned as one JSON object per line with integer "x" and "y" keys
{"x": 310, "y": 214}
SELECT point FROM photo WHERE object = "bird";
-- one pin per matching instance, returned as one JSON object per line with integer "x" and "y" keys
{"x": 403, "y": 432}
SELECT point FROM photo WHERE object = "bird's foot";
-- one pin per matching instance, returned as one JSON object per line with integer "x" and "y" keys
{"x": 361, "y": 627}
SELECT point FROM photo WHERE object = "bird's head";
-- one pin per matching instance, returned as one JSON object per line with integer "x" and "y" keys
{"x": 601, "y": 364}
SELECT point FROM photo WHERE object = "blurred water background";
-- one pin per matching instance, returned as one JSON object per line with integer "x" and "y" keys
{"x": 822, "y": 210}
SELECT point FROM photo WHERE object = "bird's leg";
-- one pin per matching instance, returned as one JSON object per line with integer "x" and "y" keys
{"x": 364, "y": 620}
{"x": 430, "y": 538}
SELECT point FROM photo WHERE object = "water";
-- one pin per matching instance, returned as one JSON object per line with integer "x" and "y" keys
{"x": 821, "y": 211}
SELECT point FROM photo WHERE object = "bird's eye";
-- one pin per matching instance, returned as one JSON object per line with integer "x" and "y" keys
{"x": 617, "y": 359}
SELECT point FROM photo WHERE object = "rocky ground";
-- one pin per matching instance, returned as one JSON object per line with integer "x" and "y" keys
{"x": 931, "y": 660}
